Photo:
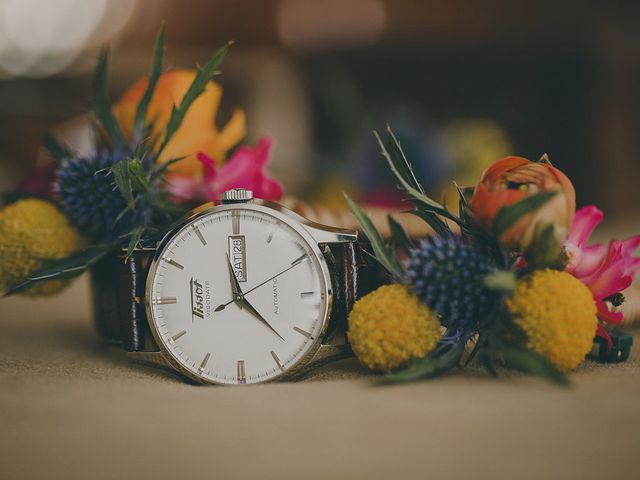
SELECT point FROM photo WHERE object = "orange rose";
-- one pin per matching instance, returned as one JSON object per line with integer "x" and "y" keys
{"x": 197, "y": 133}
{"x": 513, "y": 179}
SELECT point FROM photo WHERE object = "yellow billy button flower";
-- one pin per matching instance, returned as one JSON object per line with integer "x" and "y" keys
{"x": 391, "y": 326}
{"x": 558, "y": 314}
{"x": 32, "y": 230}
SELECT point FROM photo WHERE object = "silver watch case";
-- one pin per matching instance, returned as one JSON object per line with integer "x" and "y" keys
{"x": 313, "y": 233}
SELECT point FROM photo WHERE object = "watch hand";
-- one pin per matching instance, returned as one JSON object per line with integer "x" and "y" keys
{"x": 255, "y": 313}
{"x": 272, "y": 278}
{"x": 238, "y": 298}
{"x": 225, "y": 305}
{"x": 236, "y": 290}
{"x": 221, "y": 307}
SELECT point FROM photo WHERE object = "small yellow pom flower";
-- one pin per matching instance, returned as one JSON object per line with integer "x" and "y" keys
{"x": 32, "y": 230}
{"x": 391, "y": 326}
{"x": 558, "y": 314}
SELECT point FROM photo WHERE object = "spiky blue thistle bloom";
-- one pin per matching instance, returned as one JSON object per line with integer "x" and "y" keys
{"x": 90, "y": 197}
{"x": 447, "y": 275}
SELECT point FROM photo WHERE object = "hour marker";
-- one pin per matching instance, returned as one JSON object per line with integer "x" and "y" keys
{"x": 204, "y": 362}
{"x": 235, "y": 220}
{"x": 303, "y": 332}
{"x": 277, "y": 360}
{"x": 164, "y": 300}
{"x": 177, "y": 336}
{"x": 300, "y": 259}
{"x": 171, "y": 261}
{"x": 241, "y": 375}
{"x": 199, "y": 234}
{"x": 270, "y": 237}
{"x": 306, "y": 295}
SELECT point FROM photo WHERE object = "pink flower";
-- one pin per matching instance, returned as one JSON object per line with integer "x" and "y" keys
{"x": 245, "y": 169}
{"x": 605, "y": 270}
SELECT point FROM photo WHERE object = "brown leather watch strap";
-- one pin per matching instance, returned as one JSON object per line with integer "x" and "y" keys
{"x": 119, "y": 289}
{"x": 354, "y": 274}
{"x": 118, "y": 286}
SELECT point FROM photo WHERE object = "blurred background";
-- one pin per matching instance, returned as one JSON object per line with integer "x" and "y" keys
{"x": 462, "y": 83}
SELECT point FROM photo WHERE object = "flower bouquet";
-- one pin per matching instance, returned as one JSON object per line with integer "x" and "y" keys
{"x": 510, "y": 281}
{"x": 153, "y": 161}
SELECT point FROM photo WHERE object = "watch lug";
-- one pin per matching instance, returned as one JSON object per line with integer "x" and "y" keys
{"x": 330, "y": 353}
{"x": 326, "y": 234}
{"x": 334, "y": 346}
{"x": 320, "y": 233}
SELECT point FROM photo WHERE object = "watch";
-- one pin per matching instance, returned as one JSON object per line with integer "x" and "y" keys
{"x": 242, "y": 292}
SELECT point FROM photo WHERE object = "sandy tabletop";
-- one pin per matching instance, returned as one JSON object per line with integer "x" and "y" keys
{"x": 74, "y": 408}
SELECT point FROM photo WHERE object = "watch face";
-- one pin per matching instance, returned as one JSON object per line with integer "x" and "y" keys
{"x": 238, "y": 295}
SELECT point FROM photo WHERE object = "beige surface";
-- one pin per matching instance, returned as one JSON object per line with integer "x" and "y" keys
{"x": 73, "y": 408}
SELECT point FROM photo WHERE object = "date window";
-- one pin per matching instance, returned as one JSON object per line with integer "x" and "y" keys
{"x": 238, "y": 257}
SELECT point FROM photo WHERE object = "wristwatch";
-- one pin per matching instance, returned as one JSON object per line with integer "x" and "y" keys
{"x": 242, "y": 292}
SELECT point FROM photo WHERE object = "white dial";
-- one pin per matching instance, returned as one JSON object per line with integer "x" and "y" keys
{"x": 238, "y": 295}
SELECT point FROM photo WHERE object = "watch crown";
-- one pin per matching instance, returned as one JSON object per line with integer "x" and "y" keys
{"x": 237, "y": 195}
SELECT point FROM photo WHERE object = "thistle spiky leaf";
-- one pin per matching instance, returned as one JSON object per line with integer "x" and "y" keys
{"x": 399, "y": 235}
{"x": 58, "y": 150}
{"x": 202, "y": 78}
{"x": 143, "y": 105}
{"x": 400, "y": 161}
{"x": 134, "y": 240}
{"x": 427, "y": 367}
{"x": 382, "y": 252}
{"x": 64, "y": 268}
{"x": 122, "y": 179}
{"x": 401, "y": 168}
{"x": 101, "y": 105}
{"x": 433, "y": 220}
{"x": 527, "y": 361}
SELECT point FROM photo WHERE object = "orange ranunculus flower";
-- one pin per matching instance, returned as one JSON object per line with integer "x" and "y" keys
{"x": 511, "y": 180}
{"x": 197, "y": 133}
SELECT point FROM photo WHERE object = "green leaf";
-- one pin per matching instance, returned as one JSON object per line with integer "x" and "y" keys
{"x": 159, "y": 170}
{"x": 427, "y": 367}
{"x": 120, "y": 216}
{"x": 64, "y": 268}
{"x": 122, "y": 179}
{"x": 101, "y": 104}
{"x": 524, "y": 360}
{"x": 501, "y": 280}
{"x": 546, "y": 251}
{"x": 486, "y": 360}
{"x": 433, "y": 220}
{"x": 131, "y": 178}
{"x": 382, "y": 253}
{"x": 399, "y": 235}
{"x": 507, "y": 216}
{"x": 143, "y": 105}
{"x": 58, "y": 150}
{"x": 464, "y": 195}
{"x": 399, "y": 159}
{"x": 138, "y": 175}
{"x": 398, "y": 165}
{"x": 202, "y": 78}
{"x": 134, "y": 240}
